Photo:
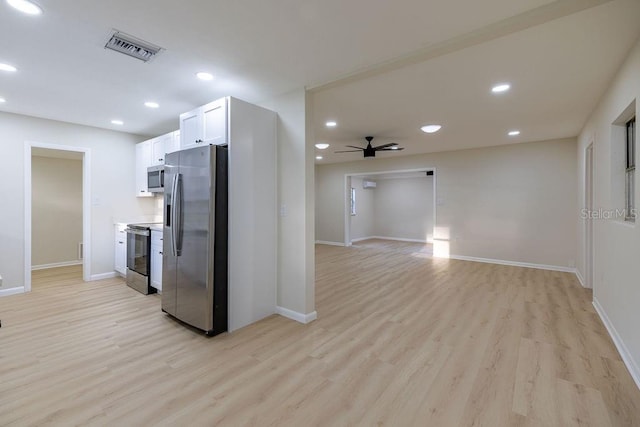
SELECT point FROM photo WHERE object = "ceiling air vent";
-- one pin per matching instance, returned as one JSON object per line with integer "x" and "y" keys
{"x": 134, "y": 47}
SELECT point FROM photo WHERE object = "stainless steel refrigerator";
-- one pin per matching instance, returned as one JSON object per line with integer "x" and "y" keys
{"x": 194, "y": 268}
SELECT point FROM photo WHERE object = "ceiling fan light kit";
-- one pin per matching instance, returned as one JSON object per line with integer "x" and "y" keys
{"x": 370, "y": 151}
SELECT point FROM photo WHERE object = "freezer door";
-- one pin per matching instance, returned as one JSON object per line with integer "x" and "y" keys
{"x": 194, "y": 288}
{"x": 169, "y": 256}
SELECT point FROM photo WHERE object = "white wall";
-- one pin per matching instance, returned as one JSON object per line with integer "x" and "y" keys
{"x": 296, "y": 252}
{"x": 253, "y": 220}
{"x": 112, "y": 187}
{"x": 616, "y": 288}
{"x": 404, "y": 208}
{"x": 514, "y": 203}
{"x": 56, "y": 210}
{"x": 362, "y": 223}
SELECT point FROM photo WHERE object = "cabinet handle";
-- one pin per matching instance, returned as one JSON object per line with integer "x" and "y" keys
{"x": 122, "y": 243}
{"x": 160, "y": 252}
{"x": 159, "y": 160}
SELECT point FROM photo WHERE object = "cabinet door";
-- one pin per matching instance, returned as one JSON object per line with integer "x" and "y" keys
{"x": 172, "y": 144}
{"x": 157, "y": 150}
{"x": 190, "y": 128}
{"x": 214, "y": 116}
{"x": 143, "y": 161}
{"x": 156, "y": 266}
{"x": 121, "y": 250}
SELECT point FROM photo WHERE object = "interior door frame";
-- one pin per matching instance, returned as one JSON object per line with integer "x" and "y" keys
{"x": 588, "y": 222}
{"x": 347, "y": 196}
{"x": 86, "y": 206}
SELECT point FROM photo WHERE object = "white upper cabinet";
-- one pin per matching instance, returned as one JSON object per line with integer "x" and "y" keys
{"x": 214, "y": 116}
{"x": 157, "y": 151}
{"x": 151, "y": 153}
{"x": 190, "y": 129}
{"x": 167, "y": 143}
{"x": 173, "y": 144}
{"x": 204, "y": 125}
{"x": 143, "y": 161}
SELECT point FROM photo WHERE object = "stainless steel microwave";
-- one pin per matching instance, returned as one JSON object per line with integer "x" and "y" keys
{"x": 155, "y": 179}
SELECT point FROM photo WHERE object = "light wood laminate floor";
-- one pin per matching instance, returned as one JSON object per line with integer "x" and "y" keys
{"x": 402, "y": 339}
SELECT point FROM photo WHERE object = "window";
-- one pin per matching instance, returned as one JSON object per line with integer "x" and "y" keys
{"x": 630, "y": 171}
{"x": 353, "y": 201}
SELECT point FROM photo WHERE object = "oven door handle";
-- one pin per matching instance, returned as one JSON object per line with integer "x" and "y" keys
{"x": 137, "y": 232}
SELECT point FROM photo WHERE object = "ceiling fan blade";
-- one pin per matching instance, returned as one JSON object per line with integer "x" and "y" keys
{"x": 383, "y": 146}
{"x": 348, "y": 151}
{"x": 392, "y": 149}
{"x": 353, "y": 146}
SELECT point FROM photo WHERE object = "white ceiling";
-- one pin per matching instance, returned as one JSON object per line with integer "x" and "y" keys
{"x": 259, "y": 49}
{"x": 557, "y": 70}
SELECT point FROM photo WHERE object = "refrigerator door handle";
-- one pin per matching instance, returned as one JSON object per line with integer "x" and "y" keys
{"x": 174, "y": 249}
{"x": 177, "y": 225}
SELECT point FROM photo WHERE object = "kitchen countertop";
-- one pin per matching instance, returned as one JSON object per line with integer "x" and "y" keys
{"x": 156, "y": 227}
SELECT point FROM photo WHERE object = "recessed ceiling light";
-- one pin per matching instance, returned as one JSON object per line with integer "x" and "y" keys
{"x": 25, "y": 6}
{"x": 431, "y": 128}
{"x": 117, "y": 122}
{"x": 502, "y": 87}
{"x": 322, "y": 146}
{"x": 7, "y": 67}
{"x": 331, "y": 124}
{"x": 318, "y": 157}
{"x": 204, "y": 76}
{"x": 514, "y": 133}
{"x": 2, "y": 100}
{"x": 395, "y": 147}
{"x": 151, "y": 104}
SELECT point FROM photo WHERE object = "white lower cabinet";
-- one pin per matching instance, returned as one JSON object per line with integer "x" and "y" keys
{"x": 121, "y": 249}
{"x": 156, "y": 259}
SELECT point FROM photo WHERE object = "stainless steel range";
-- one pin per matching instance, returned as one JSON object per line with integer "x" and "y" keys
{"x": 138, "y": 257}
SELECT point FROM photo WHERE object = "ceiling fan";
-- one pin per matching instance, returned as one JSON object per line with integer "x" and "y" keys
{"x": 370, "y": 151}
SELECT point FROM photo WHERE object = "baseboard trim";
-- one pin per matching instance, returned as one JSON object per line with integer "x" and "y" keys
{"x": 102, "y": 276}
{"x": 513, "y": 263}
{"x": 11, "y": 291}
{"x": 398, "y": 239}
{"x": 360, "y": 239}
{"x": 631, "y": 365}
{"x": 580, "y": 278}
{"x": 324, "y": 242}
{"x": 55, "y": 265}
{"x": 298, "y": 317}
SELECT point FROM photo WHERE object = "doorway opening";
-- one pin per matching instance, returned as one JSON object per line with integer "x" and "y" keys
{"x": 57, "y": 198}
{"x": 588, "y": 224}
{"x": 395, "y": 205}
